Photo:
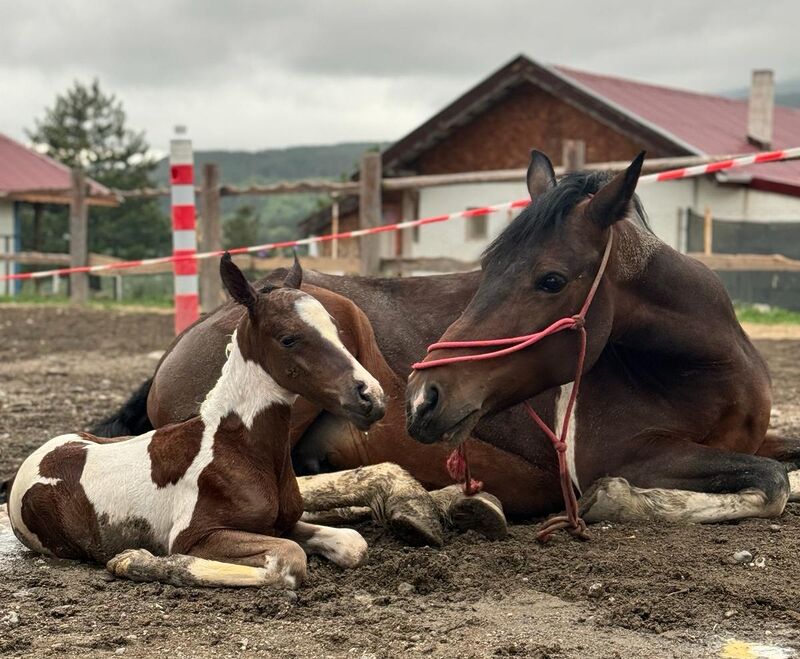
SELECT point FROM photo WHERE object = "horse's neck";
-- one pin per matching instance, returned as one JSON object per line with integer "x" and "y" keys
{"x": 248, "y": 393}
{"x": 667, "y": 302}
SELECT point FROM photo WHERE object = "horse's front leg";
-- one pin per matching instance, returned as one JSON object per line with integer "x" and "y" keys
{"x": 223, "y": 559}
{"x": 392, "y": 495}
{"x": 679, "y": 481}
{"x": 343, "y": 547}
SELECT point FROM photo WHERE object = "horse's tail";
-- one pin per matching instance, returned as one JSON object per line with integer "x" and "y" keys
{"x": 130, "y": 419}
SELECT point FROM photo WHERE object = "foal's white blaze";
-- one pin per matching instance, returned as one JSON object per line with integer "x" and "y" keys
{"x": 561, "y": 410}
{"x": 28, "y": 476}
{"x": 315, "y": 315}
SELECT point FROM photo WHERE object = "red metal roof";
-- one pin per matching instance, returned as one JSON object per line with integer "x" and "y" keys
{"x": 23, "y": 170}
{"x": 704, "y": 123}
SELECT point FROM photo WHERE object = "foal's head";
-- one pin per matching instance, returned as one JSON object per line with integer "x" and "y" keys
{"x": 537, "y": 271}
{"x": 294, "y": 339}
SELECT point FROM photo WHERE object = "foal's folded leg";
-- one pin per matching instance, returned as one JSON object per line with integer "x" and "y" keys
{"x": 223, "y": 559}
{"x": 391, "y": 493}
{"x": 344, "y": 547}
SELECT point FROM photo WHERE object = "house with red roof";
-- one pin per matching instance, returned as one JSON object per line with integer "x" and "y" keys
{"x": 29, "y": 177}
{"x": 525, "y": 105}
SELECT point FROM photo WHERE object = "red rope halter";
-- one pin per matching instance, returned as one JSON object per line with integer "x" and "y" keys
{"x": 571, "y": 520}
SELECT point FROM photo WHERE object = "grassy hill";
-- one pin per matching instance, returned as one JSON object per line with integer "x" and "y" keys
{"x": 248, "y": 220}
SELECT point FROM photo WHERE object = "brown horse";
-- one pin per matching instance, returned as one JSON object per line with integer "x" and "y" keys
{"x": 671, "y": 420}
{"x": 212, "y": 501}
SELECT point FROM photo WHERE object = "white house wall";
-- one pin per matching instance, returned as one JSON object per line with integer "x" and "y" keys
{"x": 663, "y": 202}
{"x": 450, "y": 238}
{"x": 735, "y": 202}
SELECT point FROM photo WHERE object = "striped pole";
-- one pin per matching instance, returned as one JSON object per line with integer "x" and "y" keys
{"x": 184, "y": 237}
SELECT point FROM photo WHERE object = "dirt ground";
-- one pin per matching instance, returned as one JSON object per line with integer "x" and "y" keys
{"x": 634, "y": 591}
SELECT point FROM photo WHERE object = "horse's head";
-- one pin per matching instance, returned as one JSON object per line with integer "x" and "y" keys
{"x": 294, "y": 339}
{"x": 539, "y": 270}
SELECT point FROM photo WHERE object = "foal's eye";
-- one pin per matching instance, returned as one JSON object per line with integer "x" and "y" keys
{"x": 288, "y": 341}
{"x": 552, "y": 282}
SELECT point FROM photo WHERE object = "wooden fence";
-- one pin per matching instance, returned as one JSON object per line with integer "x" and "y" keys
{"x": 368, "y": 188}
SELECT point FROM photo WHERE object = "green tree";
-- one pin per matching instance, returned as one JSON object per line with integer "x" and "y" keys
{"x": 240, "y": 229}
{"x": 87, "y": 128}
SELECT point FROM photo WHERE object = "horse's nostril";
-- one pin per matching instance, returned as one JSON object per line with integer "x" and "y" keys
{"x": 366, "y": 399}
{"x": 432, "y": 397}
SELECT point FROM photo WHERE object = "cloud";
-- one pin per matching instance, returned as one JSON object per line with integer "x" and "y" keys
{"x": 248, "y": 74}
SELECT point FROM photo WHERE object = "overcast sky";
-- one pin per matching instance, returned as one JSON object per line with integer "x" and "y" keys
{"x": 267, "y": 73}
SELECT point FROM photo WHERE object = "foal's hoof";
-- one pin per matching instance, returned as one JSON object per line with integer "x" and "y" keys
{"x": 130, "y": 563}
{"x": 482, "y": 513}
{"x": 416, "y": 523}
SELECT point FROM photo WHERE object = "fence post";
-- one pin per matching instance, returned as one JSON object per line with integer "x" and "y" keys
{"x": 210, "y": 239}
{"x": 78, "y": 238}
{"x": 184, "y": 237}
{"x": 370, "y": 211}
{"x": 335, "y": 225}
{"x": 708, "y": 232}
{"x": 573, "y": 155}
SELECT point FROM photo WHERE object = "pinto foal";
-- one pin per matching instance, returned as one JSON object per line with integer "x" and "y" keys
{"x": 212, "y": 501}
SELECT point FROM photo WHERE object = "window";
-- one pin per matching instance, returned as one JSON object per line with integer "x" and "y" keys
{"x": 477, "y": 226}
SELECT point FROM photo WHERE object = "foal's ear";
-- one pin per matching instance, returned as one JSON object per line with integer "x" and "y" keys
{"x": 294, "y": 277}
{"x": 541, "y": 176}
{"x": 613, "y": 201}
{"x": 236, "y": 283}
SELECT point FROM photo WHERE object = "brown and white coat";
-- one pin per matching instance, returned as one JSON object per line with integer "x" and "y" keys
{"x": 213, "y": 500}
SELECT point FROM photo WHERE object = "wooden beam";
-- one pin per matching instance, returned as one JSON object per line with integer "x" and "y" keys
{"x": 370, "y": 211}
{"x": 518, "y": 175}
{"x": 209, "y": 239}
{"x": 61, "y": 197}
{"x": 78, "y": 239}
{"x": 748, "y": 262}
{"x": 411, "y": 182}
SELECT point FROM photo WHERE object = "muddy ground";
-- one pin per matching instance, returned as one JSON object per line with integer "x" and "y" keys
{"x": 634, "y": 591}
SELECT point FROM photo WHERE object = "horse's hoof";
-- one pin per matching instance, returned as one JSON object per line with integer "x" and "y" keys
{"x": 482, "y": 513}
{"x": 415, "y": 531}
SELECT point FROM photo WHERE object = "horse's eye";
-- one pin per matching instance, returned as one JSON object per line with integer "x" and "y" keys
{"x": 288, "y": 341}
{"x": 552, "y": 282}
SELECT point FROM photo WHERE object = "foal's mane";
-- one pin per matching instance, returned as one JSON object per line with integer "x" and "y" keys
{"x": 545, "y": 215}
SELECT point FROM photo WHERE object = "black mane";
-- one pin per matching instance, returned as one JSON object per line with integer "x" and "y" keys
{"x": 546, "y": 213}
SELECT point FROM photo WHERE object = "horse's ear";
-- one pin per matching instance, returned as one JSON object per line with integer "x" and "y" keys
{"x": 236, "y": 283}
{"x": 613, "y": 201}
{"x": 541, "y": 176}
{"x": 295, "y": 275}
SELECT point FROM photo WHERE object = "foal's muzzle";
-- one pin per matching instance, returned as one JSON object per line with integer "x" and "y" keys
{"x": 364, "y": 406}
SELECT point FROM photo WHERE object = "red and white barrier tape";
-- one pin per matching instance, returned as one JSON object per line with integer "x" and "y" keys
{"x": 669, "y": 175}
